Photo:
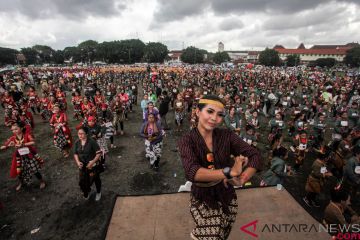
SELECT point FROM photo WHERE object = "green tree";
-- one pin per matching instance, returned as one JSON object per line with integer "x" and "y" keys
{"x": 132, "y": 50}
{"x": 352, "y": 57}
{"x": 7, "y": 56}
{"x": 221, "y": 57}
{"x": 293, "y": 60}
{"x": 58, "y": 57}
{"x": 44, "y": 53}
{"x": 155, "y": 52}
{"x": 72, "y": 54}
{"x": 88, "y": 50}
{"x": 325, "y": 62}
{"x": 269, "y": 57}
{"x": 193, "y": 55}
{"x": 30, "y": 54}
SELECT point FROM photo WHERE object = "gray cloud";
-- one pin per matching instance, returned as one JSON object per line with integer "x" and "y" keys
{"x": 230, "y": 24}
{"x": 174, "y": 10}
{"x": 322, "y": 15}
{"x": 275, "y": 6}
{"x": 69, "y": 9}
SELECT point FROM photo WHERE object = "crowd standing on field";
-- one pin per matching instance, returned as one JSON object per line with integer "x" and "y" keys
{"x": 296, "y": 110}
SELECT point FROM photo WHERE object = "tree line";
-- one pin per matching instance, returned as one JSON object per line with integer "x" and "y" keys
{"x": 123, "y": 51}
{"x": 134, "y": 50}
{"x": 120, "y": 51}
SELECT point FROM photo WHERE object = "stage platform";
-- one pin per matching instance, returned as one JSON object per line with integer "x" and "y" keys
{"x": 167, "y": 217}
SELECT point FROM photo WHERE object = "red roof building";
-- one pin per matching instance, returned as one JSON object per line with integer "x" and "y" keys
{"x": 317, "y": 51}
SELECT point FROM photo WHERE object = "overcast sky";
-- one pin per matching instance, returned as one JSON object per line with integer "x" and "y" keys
{"x": 239, "y": 24}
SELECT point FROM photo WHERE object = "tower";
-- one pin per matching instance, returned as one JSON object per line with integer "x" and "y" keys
{"x": 220, "y": 47}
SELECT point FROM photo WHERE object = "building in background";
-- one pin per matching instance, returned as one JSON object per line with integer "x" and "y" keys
{"x": 243, "y": 56}
{"x": 338, "y": 52}
{"x": 240, "y": 56}
{"x": 175, "y": 55}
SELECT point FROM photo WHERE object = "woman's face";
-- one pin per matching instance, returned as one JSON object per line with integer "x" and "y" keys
{"x": 56, "y": 110}
{"x": 151, "y": 118}
{"x": 91, "y": 123}
{"x": 232, "y": 111}
{"x": 82, "y": 134}
{"x": 16, "y": 129}
{"x": 210, "y": 116}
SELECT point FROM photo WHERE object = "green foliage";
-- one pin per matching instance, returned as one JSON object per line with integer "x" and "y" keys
{"x": 58, "y": 57}
{"x": 325, "y": 62}
{"x": 88, "y": 50}
{"x": 30, "y": 54}
{"x": 193, "y": 55}
{"x": 44, "y": 53}
{"x": 88, "y": 44}
{"x": 269, "y": 57}
{"x": 155, "y": 52}
{"x": 72, "y": 54}
{"x": 7, "y": 56}
{"x": 352, "y": 57}
{"x": 221, "y": 57}
{"x": 293, "y": 60}
{"x": 124, "y": 51}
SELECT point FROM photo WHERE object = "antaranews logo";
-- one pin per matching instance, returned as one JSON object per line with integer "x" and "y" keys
{"x": 248, "y": 225}
{"x": 347, "y": 232}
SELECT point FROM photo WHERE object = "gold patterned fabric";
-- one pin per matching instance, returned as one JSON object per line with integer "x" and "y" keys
{"x": 212, "y": 224}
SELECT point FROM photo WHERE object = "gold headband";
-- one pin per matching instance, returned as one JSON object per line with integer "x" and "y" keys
{"x": 212, "y": 102}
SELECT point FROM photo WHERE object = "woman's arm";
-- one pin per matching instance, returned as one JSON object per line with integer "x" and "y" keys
{"x": 9, "y": 143}
{"x": 194, "y": 172}
{"x": 77, "y": 161}
{"x": 239, "y": 147}
{"x": 142, "y": 134}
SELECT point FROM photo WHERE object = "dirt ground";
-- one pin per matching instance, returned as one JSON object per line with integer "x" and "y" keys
{"x": 60, "y": 212}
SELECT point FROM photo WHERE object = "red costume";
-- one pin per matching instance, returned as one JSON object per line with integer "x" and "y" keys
{"x": 99, "y": 99}
{"x": 61, "y": 99}
{"x": 16, "y": 164}
{"x": 59, "y": 122}
{"x": 77, "y": 102}
{"x": 33, "y": 99}
{"x": 88, "y": 109}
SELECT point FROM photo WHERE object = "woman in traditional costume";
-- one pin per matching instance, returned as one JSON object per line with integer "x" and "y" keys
{"x": 62, "y": 133}
{"x": 77, "y": 102}
{"x": 206, "y": 156}
{"x": 152, "y": 132}
{"x": 25, "y": 159}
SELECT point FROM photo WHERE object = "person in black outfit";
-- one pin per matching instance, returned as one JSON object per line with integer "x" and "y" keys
{"x": 87, "y": 155}
{"x": 164, "y": 108}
